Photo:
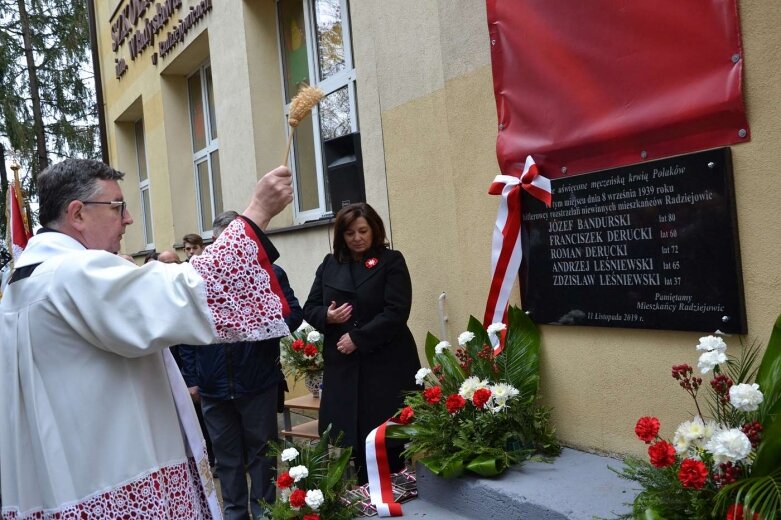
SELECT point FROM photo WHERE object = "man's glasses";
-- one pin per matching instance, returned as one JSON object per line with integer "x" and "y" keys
{"x": 121, "y": 204}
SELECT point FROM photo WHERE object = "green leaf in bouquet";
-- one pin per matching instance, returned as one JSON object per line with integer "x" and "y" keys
{"x": 768, "y": 457}
{"x": 744, "y": 368}
{"x": 431, "y": 342}
{"x": 450, "y": 468}
{"x": 322, "y": 444}
{"x": 769, "y": 376}
{"x": 519, "y": 360}
{"x": 481, "y": 337}
{"x": 485, "y": 465}
{"x": 405, "y": 431}
{"x": 337, "y": 467}
{"x": 761, "y": 495}
{"x": 652, "y": 514}
{"x": 451, "y": 369}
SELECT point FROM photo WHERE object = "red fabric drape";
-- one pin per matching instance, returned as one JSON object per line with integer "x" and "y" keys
{"x": 592, "y": 85}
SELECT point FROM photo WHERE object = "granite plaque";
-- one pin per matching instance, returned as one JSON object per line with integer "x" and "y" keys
{"x": 651, "y": 246}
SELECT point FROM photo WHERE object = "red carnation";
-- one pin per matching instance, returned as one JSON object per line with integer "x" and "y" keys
{"x": 693, "y": 473}
{"x": 298, "y": 499}
{"x": 662, "y": 454}
{"x": 311, "y": 516}
{"x": 433, "y": 394}
{"x": 310, "y": 350}
{"x": 735, "y": 512}
{"x": 647, "y": 428}
{"x": 480, "y": 397}
{"x": 454, "y": 403}
{"x": 298, "y": 345}
{"x": 406, "y": 415}
{"x": 284, "y": 480}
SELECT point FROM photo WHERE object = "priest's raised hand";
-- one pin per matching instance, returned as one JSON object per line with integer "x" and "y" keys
{"x": 272, "y": 193}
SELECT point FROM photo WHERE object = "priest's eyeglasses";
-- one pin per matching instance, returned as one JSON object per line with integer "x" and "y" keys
{"x": 121, "y": 204}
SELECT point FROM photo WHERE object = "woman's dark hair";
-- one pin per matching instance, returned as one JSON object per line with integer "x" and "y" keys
{"x": 346, "y": 216}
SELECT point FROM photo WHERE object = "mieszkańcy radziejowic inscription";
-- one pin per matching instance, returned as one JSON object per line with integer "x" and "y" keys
{"x": 653, "y": 245}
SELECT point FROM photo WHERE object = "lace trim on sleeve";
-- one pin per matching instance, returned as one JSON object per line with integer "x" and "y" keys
{"x": 238, "y": 289}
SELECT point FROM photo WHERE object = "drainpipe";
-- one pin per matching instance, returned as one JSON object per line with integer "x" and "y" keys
{"x": 442, "y": 316}
{"x": 93, "y": 37}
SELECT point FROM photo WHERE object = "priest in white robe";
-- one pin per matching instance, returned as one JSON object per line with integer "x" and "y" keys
{"x": 95, "y": 420}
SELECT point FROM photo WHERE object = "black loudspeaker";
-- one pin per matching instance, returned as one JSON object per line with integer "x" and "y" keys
{"x": 344, "y": 168}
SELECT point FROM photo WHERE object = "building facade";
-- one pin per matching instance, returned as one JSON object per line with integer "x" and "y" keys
{"x": 196, "y": 94}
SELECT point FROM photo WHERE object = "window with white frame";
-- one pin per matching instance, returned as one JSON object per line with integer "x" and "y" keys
{"x": 143, "y": 184}
{"x": 315, "y": 49}
{"x": 206, "y": 153}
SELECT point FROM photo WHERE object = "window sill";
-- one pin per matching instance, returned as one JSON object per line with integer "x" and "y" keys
{"x": 325, "y": 221}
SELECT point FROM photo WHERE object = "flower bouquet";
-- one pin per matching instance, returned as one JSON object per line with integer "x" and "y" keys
{"x": 302, "y": 352}
{"x": 726, "y": 464}
{"x": 314, "y": 485}
{"x": 479, "y": 410}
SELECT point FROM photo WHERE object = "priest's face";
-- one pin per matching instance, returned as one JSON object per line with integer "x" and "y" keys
{"x": 105, "y": 217}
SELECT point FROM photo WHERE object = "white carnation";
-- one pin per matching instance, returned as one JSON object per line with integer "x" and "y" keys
{"x": 680, "y": 442}
{"x": 469, "y": 386}
{"x": 745, "y": 398}
{"x": 692, "y": 435}
{"x": 289, "y": 454}
{"x": 729, "y": 446}
{"x": 314, "y": 499}
{"x": 441, "y": 347}
{"x": 708, "y": 360}
{"x": 710, "y": 428}
{"x": 284, "y": 495}
{"x": 421, "y": 374}
{"x": 465, "y": 337}
{"x": 710, "y": 343}
{"x": 501, "y": 392}
{"x": 298, "y": 472}
{"x": 496, "y": 328}
{"x": 313, "y": 337}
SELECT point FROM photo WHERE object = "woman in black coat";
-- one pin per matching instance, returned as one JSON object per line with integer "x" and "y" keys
{"x": 361, "y": 300}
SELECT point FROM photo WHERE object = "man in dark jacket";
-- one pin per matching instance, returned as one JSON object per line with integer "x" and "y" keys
{"x": 238, "y": 384}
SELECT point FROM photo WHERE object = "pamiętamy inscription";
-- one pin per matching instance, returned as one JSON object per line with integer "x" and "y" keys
{"x": 652, "y": 246}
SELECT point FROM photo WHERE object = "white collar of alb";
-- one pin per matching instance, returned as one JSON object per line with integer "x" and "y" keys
{"x": 44, "y": 246}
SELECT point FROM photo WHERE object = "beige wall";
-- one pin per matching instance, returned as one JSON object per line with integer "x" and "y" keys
{"x": 428, "y": 127}
{"x": 438, "y": 126}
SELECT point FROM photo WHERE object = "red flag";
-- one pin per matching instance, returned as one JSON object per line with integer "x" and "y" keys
{"x": 18, "y": 233}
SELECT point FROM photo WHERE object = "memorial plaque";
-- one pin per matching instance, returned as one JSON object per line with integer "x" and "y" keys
{"x": 652, "y": 246}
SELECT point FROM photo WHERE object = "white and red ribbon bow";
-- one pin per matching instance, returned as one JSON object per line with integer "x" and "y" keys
{"x": 378, "y": 469}
{"x": 506, "y": 250}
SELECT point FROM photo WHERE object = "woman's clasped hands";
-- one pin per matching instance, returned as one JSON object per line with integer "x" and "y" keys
{"x": 336, "y": 315}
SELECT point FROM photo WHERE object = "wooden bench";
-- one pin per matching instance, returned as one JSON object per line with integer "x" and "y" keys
{"x": 307, "y": 430}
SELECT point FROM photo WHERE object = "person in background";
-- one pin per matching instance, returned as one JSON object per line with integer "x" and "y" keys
{"x": 126, "y": 257}
{"x": 237, "y": 385}
{"x": 169, "y": 257}
{"x": 361, "y": 300}
{"x": 150, "y": 256}
{"x": 193, "y": 245}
